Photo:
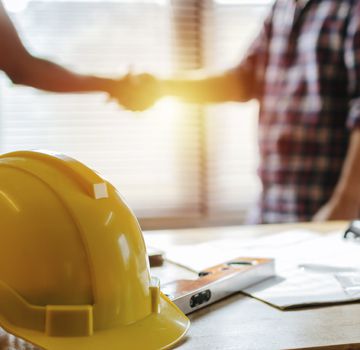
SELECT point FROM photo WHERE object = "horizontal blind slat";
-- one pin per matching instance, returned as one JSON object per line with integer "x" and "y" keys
{"x": 152, "y": 158}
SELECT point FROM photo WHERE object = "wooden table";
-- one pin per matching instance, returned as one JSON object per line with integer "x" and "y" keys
{"x": 240, "y": 322}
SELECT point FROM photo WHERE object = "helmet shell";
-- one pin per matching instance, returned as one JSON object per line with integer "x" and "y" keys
{"x": 73, "y": 260}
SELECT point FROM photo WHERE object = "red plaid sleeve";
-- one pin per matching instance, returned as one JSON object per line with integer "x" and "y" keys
{"x": 352, "y": 61}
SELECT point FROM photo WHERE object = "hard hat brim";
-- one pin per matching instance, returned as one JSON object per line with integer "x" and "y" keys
{"x": 157, "y": 331}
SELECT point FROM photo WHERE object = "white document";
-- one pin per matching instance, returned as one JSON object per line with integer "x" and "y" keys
{"x": 198, "y": 257}
{"x": 311, "y": 268}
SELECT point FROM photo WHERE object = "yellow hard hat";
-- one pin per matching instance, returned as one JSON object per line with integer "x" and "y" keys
{"x": 73, "y": 267}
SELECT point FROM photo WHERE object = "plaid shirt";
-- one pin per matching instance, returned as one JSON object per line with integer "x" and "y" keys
{"x": 304, "y": 68}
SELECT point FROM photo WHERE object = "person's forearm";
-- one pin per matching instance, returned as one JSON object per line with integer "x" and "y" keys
{"x": 344, "y": 204}
{"x": 348, "y": 185}
{"x": 48, "y": 76}
{"x": 23, "y": 68}
{"x": 217, "y": 89}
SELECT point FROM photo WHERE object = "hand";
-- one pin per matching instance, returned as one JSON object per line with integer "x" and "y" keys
{"x": 338, "y": 209}
{"x": 137, "y": 92}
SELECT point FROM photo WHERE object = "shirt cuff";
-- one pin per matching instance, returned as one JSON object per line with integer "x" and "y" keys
{"x": 353, "y": 120}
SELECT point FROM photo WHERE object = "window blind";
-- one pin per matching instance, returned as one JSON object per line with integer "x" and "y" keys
{"x": 231, "y": 128}
{"x": 173, "y": 162}
{"x": 151, "y": 157}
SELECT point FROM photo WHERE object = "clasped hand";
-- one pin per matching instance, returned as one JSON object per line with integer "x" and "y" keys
{"x": 136, "y": 92}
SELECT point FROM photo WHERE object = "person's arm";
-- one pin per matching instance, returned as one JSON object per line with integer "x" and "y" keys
{"x": 23, "y": 68}
{"x": 344, "y": 204}
{"x": 240, "y": 84}
{"x": 49, "y": 76}
{"x": 216, "y": 89}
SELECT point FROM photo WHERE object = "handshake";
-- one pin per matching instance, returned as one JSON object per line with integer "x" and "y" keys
{"x": 136, "y": 92}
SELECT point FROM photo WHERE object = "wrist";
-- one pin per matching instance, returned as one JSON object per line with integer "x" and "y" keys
{"x": 110, "y": 86}
{"x": 166, "y": 87}
{"x": 177, "y": 87}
